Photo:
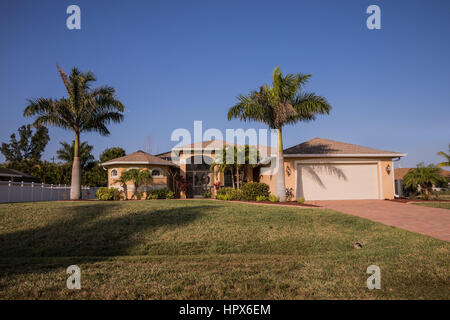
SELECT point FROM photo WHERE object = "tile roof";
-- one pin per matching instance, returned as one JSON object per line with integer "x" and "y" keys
{"x": 139, "y": 157}
{"x": 399, "y": 173}
{"x": 320, "y": 146}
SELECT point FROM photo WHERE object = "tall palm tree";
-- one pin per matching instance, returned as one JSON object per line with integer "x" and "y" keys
{"x": 66, "y": 152}
{"x": 424, "y": 177}
{"x": 124, "y": 178}
{"x": 138, "y": 176}
{"x": 445, "y": 155}
{"x": 282, "y": 103}
{"x": 85, "y": 109}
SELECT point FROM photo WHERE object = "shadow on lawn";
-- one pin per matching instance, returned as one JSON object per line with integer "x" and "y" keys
{"x": 89, "y": 235}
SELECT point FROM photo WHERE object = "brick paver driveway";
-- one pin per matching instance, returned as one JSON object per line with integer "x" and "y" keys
{"x": 434, "y": 222}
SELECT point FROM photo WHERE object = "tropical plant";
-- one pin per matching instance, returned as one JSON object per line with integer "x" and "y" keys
{"x": 139, "y": 178}
{"x": 29, "y": 147}
{"x": 235, "y": 159}
{"x": 66, "y": 153}
{"x": 273, "y": 198}
{"x": 282, "y": 103}
{"x": 122, "y": 180}
{"x": 252, "y": 190}
{"x": 107, "y": 194}
{"x": 423, "y": 178}
{"x": 84, "y": 110}
{"x": 445, "y": 155}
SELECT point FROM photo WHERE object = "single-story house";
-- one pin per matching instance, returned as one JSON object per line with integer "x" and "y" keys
{"x": 399, "y": 173}
{"x": 7, "y": 174}
{"x": 318, "y": 169}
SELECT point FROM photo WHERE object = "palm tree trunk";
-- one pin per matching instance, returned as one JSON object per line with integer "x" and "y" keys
{"x": 75, "y": 188}
{"x": 280, "y": 186}
{"x": 238, "y": 178}
{"x": 232, "y": 177}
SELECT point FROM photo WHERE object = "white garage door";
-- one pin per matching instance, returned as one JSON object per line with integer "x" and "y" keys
{"x": 337, "y": 181}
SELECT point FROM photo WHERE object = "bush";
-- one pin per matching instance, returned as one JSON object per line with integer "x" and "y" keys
{"x": 273, "y": 198}
{"x": 223, "y": 191}
{"x": 139, "y": 195}
{"x": 105, "y": 194}
{"x": 163, "y": 193}
{"x": 152, "y": 196}
{"x": 207, "y": 194}
{"x": 301, "y": 200}
{"x": 251, "y": 190}
{"x": 229, "y": 194}
{"x": 261, "y": 198}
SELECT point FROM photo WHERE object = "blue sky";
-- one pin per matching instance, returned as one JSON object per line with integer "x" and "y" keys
{"x": 173, "y": 62}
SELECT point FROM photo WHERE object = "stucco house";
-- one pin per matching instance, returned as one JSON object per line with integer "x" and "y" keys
{"x": 400, "y": 173}
{"x": 318, "y": 169}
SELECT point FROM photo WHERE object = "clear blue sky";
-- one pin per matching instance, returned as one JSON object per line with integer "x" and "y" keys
{"x": 173, "y": 62}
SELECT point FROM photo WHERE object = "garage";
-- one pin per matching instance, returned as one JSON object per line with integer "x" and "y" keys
{"x": 337, "y": 181}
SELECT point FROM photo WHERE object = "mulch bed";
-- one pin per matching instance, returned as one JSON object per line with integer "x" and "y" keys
{"x": 285, "y": 203}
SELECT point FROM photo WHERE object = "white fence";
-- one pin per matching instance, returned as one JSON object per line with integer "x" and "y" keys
{"x": 11, "y": 191}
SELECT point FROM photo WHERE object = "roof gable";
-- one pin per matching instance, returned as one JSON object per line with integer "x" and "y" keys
{"x": 139, "y": 157}
{"x": 320, "y": 146}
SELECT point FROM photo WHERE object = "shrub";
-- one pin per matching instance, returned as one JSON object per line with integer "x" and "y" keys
{"x": 207, "y": 194}
{"x": 170, "y": 195}
{"x": 223, "y": 191}
{"x": 163, "y": 193}
{"x": 251, "y": 190}
{"x": 273, "y": 198}
{"x": 230, "y": 194}
{"x": 261, "y": 198}
{"x": 105, "y": 193}
{"x": 139, "y": 195}
{"x": 152, "y": 196}
{"x": 301, "y": 200}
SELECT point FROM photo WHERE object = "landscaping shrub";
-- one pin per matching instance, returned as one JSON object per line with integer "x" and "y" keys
{"x": 301, "y": 200}
{"x": 251, "y": 190}
{"x": 139, "y": 195}
{"x": 229, "y": 194}
{"x": 223, "y": 191}
{"x": 105, "y": 193}
{"x": 207, "y": 194}
{"x": 261, "y": 198}
{"x": 273, "y": 198}
{"x": 163, "y": 193}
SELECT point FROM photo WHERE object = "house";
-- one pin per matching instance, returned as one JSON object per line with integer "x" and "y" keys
{"x": 399, "y": 173}
{"x": 318, "y": 169}
{"x": 7, "y": 174}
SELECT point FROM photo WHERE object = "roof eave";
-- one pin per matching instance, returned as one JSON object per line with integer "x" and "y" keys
{"x": 336, "y": 155}
{"x": 138, "y": 162}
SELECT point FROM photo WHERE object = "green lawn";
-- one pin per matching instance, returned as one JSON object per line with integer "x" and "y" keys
{"x": 444, "y": 205}
{"x": 174, "y": 249}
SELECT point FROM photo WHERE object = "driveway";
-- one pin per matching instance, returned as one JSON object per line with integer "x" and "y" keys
{"x": 434, "y": 222}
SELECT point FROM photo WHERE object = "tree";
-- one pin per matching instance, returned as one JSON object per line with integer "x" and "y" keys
{"x": 84, "y": 110}
{"x": 29, "y": 147}
{"x": 229, "y": 160}
{"x": 66, "y": 153}
{"x": 138, "y": 176}
{"x": 111, "y": 153}
{"x": 445, "y": 155}
{"x": 424, "y": 177}
{"x": 124, "y": 178}
{"x": 278, "y": 105}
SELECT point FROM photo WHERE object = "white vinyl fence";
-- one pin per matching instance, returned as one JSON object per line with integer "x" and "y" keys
{"x": 12, "y": 191}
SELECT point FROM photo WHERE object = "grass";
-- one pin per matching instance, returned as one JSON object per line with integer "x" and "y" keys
{"x": 174, "y": 249}
{"x": 444, "y": 205}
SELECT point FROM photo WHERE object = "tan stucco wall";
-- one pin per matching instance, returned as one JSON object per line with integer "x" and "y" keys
{"x": 158, "y": 182}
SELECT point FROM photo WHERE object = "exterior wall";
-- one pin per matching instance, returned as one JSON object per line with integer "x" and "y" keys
{"x": 157, "y": 183}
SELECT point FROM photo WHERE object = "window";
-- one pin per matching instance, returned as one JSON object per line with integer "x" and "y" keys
{"x": 113, "y": 173}
{"x": 157, "y": 173}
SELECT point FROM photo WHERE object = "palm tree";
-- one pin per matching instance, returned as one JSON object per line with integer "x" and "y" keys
{"x": 85, "y": 110}
{"x": 445, "y": 155}
{"x": 278, "y": 105}
{"x": 66, "y": 151}
{"x": 424, "y": 177}
{"x": 138, "y": 176}
{"x": 124, "y": 178}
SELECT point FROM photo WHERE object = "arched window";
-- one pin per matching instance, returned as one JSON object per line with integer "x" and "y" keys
{"x": 113, "y": 173}
{"x": 157, "y": 173}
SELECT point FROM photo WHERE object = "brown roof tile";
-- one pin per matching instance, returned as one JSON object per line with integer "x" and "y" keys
{"x": 324, "y": 146}
{"x": 139, "y": 157}
{"x": 400, "y": 173}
